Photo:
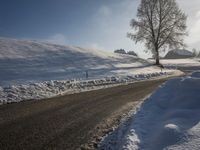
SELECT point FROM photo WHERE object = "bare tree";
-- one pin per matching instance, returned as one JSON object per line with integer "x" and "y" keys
{"x": 160, "y": 24}
{"x": 194, "y": 51}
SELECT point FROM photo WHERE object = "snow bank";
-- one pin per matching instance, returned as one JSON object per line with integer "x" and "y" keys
{"x": 46, "y": 89}
{"x": 168, "y": 120}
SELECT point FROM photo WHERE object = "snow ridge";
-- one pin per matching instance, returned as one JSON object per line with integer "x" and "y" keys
{"x": 47, "y": 89}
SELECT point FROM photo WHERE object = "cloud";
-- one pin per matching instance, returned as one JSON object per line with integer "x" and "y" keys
{"x": 95, "y": 46}
{"x": 193, "y": 40}
{"x": 192, "y": 10}
{"x": 102, "y": 18}
{"x": 57, "y": 39}
{"x": 110, "y": 24}
{"x": 104, "y": 11}
{"x": 198, "y": 14}
{"x": 194, "y": 31}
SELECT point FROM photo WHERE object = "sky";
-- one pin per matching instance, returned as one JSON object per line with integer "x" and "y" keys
{"x": 100, "y": 24}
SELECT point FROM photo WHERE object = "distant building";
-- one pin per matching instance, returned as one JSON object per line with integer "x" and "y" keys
{"x": 178, "y": 54}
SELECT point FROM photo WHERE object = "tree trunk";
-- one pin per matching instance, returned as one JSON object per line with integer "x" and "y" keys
{"x": 157, "y": 58}
{"x": 157, "y": 61}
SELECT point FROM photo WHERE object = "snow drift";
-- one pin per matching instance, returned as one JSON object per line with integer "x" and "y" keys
{"x": 168, "y": 120}
{"x": 47, "y": 89}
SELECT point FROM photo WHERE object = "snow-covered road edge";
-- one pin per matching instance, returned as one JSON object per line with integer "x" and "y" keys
{"x": 168, "y": 119}
{"x": 48, "y": 89}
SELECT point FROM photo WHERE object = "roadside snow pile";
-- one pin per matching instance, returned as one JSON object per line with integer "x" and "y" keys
{"x": 17, "y": 93}
{"x": 168, "y": 120}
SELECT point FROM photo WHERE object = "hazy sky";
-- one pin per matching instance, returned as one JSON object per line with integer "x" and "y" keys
{"x": 101, "y": 24}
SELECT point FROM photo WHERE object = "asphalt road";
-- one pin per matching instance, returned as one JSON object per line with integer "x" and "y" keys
{"x": 70, "y": 121}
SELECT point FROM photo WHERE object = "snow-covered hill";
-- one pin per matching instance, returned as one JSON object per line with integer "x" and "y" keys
{"x": 22, "y": 61}
{"x": 178, "y": 54}
{"x": 36, "y": 70}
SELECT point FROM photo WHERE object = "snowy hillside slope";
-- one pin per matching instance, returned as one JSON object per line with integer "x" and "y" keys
{"x": 36, "y": 70}
{"x": 22, "y": 61}
{"x": 168, "y": 120}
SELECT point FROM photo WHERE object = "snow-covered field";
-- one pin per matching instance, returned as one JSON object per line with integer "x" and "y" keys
{"x": 169, "y": 119}
{"x": 36, "y": 70}
{"x": 186, "y": 65}
{"x": 25, "y": 61}
{"x": 189, "y": 62}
